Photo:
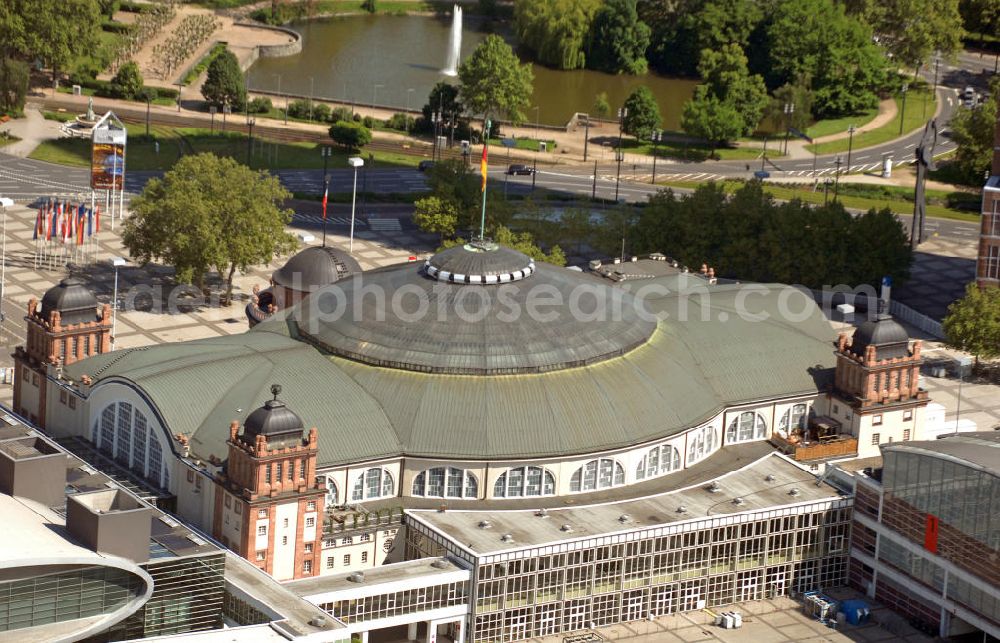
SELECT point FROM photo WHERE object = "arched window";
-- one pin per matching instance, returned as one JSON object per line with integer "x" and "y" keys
{"x": 746, "y": 426}
{"x": 155, "y": 460}
{"x": 659, "y": 460}
{"x": 123, "y": 451}
{"x": 597, "y": 474}
{"x": 526, "y": 482}
{"x": 107, "y": 444}
{"x": 701, "y": 443}
{"x": 139, "y": 450}
{"x": 332, "y": 493}
{"x": 793, "y": 418}
{"x": 441, "y": 482}
{"x": 375, "y": 483}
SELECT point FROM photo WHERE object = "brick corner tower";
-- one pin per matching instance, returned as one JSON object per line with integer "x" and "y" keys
{"x": 268, "y": 506}
{"x": 66, "y": 326}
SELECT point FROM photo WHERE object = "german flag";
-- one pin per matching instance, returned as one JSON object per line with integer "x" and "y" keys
{"x": 483, "y": 166}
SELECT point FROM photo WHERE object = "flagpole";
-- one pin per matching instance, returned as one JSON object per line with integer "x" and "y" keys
{"x": 326, "y": 191}
{"x": 486, "y": 144}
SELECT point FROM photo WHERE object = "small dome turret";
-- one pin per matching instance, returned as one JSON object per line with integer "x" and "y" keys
{"x": 273, "y": 420}
{"x": 72, "y": 300}
{"x": 315, "y": 267}
{"x": 884, "y": 333}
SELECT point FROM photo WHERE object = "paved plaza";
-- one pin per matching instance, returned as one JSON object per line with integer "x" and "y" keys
{"x": 152, "y": 309}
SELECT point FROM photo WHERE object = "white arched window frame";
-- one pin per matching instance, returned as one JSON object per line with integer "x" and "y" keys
{"x": 373, "y": 483}
{"x": 524, "y": 482}
{"x": 701, "y": 442}
{"x": 446, "y": 482}
{"x": 122, "y": 430}
{"x": 659, "y": 460}
{"x": 746, "y": 426}
{"x": 795, "y": 417}
{"x": 603, "y": 473}
{"x": 332, "y": 492}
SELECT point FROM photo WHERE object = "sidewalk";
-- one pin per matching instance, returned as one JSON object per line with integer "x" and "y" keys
{"x": 32, "y": 130}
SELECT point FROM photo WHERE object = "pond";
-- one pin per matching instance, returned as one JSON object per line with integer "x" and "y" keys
{"x": 394, "y": 61}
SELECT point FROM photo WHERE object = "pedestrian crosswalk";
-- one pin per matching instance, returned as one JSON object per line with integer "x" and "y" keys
{"x": 317, "y": 220}
{"x": 384, "y": 225}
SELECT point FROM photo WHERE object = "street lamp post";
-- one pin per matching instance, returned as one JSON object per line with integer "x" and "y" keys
{"x": 902, "y": 111}
{"x": 355, "y": 162}
{"x": 147, "y": 114}
{"x": 117, "y": 262}
{"x": 180, "y": 86}
{"x": 536, "y": 108}
{"x": 655, "y": 136}
{"x": 212, "y": 109}
{"x": 250, "y": 124}
{"x": 326, "y": 151}
{"x": 619, "y": 153}
{"x": 408, "y": 92}
{"x": 789, "y": 110}
{"x": 850, "y": 145}
{"x": 836, "y": 182}
{"x": 586, "y": 136}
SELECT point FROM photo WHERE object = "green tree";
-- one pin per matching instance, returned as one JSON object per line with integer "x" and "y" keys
{"x": 435, "y": 215}
{"x": 555, "y": 31}
{"x": 524, "y": 242}
{"x": 980, "y": 17}
{"x": 973, "y": 322}
{"x": 730, "y": 102}
{"x": 799, "y": 96}
{"x": 619, "y": 39}
{"x": 708, "y": 118}
{"x": 209, "y": 212}
{"x": 444, "y": 100}
{"x": 602, "y": 108}
{"x": 643, "y": 113}
{"x": 14, "y": 76}
{"x": 912, "y": 30}
{"x": 369, "y": 6}
{"x": 816, "y": 39}
{"x": 972, "y": 131}
{"x": 55, "y": 31}
{"x": 350, "y": 134}
{"x": 127, "y": 82}
{"x": 109, "y": 7}
{"x": 494, "y": 82}
{"x": 224, "y": 84}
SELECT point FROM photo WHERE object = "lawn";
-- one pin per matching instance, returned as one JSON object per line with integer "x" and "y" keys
{"x": 142, "y": 153}
{"x": 913, "y": 119}
{"x": 940, "y": 203}
{"x": 838, "y": 125}
{"x": 529, "y": 144}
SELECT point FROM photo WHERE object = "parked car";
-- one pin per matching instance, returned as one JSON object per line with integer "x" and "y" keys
{"x": 518, "y": 168}
{"x": 423, "y": 166}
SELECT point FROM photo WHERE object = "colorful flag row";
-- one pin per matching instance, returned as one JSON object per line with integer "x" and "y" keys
{"x": 64, "y": 222}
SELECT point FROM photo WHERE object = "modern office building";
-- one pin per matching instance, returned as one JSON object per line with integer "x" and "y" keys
{"x": 988, "y": 265}
{"x": 926, "y": 536}
{"x": 314, "y": 443}
{"x": 83, "y": 558}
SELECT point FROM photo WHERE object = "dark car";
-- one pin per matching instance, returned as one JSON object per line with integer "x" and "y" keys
{"x": 423, "y": 166}
{"x": 517, "y": 168}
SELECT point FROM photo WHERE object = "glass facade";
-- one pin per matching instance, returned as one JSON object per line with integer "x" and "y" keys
{"x": 122, "y": 431}
{"x": 962, "y": 497}
{"x": 66, "y": 596}
{"x": 392, "y": 604}
{"x": 445, "y": 482}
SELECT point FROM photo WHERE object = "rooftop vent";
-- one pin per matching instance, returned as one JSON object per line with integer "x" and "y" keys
{"x": 319, "y": 621}
{"x": 769, "y": 478}
{"x": 507, "y": 538}
{"x": 485, "y": 524}
{"x": 794, "y": 491}
{"x": 714, "y": 487}
{"x": 682, "y": 509}
{"x": 738, "y": 501}
{"x": 566, "y": 528}
{"x": 356, "y": 577}
{"x": 440, "y": 563}
{"x": 542, "y": 513}
{"x": 624, "y": 518}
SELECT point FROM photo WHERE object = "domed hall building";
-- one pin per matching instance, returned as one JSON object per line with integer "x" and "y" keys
{"x": 579, "y": 451}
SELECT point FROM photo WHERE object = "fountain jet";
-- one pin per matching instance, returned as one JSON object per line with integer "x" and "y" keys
{"x": 454, "y": 43}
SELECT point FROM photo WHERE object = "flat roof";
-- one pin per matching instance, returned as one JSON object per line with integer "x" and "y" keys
{"x": 299, "y": 615}
{"x": 424, "y": 569}
{"x": 763, "y": 484}
{"x": 978, "y": 448}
